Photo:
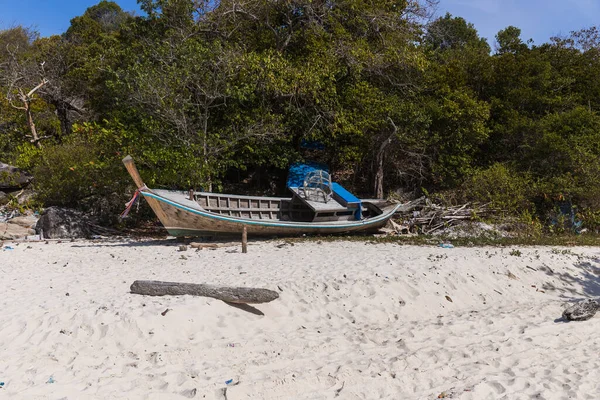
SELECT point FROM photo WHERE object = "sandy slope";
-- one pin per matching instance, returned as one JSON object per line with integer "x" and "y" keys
{"x": 353, "y": 321}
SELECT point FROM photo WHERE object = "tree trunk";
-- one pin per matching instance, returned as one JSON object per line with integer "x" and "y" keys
{"x": 205, "y": 147}
{"x": 26, "y": 99}
{"x": 379, "y": 162}
{"x": 35, "y": 139}
{"x": 225, "y": 293}
{"x": 63, "y": 116}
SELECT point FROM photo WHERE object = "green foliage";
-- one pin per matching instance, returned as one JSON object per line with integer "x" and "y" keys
{"x": 502, "y": 187}
{"x": 516, "y": 253}
{"x": 457, "y": 130}
{"x": 83, "y": 171}
{"x": 529, "y": 224}
{"x": 509, "y": 41}
{"x": 590, "y": 218}
{"x": 197, "y": 92}
{"x": 69, "y": 172}
{"x": 450, "y": 33}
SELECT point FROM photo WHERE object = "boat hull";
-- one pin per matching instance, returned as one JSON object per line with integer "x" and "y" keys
{"x": 182, "y": 214}
{"x": 186, "y": 220}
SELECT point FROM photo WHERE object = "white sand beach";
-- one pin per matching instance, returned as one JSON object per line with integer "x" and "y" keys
{"x": 354, "y": 321}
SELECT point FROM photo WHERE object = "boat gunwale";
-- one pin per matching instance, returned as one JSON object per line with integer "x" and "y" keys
{"x": 231, "y": 196}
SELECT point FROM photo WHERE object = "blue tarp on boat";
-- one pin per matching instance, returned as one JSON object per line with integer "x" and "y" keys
{"x": 298, "y": 171}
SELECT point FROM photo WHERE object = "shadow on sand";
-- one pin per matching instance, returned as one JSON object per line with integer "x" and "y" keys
{"x": 246, "y": 307}
{"x": 584, "y": 280}
{"x": 174, "y": 242}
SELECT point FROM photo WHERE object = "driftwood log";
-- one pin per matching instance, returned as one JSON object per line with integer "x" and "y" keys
{"x": 238, "y": 295}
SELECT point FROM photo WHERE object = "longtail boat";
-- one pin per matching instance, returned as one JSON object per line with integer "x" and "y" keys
{"x": 317, "y": 206}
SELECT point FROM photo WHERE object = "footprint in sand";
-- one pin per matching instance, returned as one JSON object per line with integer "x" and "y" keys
{"x": 154, "y": 358}
{"x": 412, "y": 291}
{"x": 103, "y": 330}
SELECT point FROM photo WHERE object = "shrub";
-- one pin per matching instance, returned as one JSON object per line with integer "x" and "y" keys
{"x": 503, "y": 188}
{"x": 78, "y": 174}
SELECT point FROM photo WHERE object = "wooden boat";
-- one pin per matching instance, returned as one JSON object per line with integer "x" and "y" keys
{"x": 207, "y": 214}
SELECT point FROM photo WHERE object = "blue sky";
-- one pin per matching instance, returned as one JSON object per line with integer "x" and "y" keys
{"x": 49, "y": 17}
{"x": 538, "y": 19}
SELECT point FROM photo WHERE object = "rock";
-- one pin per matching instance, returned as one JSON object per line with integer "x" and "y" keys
{"x": 63, "y": 223}
{"x": 581, "y": 311}
{"x": 10, "y": 231}
{"x": 12, "y": 177}
{"x": 26, "y": 221}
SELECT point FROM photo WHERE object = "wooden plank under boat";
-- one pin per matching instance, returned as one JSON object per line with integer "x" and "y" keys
{"x": 202, "y": 213}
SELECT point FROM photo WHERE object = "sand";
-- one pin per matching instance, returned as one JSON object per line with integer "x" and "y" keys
{"x": 353, "y": 321}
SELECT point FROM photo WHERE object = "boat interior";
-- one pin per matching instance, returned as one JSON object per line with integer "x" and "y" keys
{"x": 280, "y": 209}
{"x": 316, "y": 199}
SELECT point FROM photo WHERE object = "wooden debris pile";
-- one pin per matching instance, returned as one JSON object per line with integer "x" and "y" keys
{"x": 424, "y": 217}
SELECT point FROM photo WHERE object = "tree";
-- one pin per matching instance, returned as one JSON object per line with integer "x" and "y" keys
{"x": 450, "y": 33}
{"x": 182, "y": 77}
{"x": 346, "y": 64}
{"x": 20, "y": 78}
{"x": 457, "y": 83}
{"x": 509, "y": 41}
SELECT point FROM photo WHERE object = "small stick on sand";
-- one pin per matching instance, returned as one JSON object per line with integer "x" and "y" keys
{"x": 195, "y": 245}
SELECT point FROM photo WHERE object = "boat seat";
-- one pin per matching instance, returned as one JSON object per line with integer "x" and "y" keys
{"x": 345, "y": 198}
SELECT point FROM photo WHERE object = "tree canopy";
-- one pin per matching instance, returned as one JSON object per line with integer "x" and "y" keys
{"x": 226, "y": 95}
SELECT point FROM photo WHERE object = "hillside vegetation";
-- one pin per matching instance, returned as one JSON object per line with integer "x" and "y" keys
{"x": 226, "y": 95}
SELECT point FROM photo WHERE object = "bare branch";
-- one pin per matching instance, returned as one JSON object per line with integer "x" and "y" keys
{"x": 32, "y": 91}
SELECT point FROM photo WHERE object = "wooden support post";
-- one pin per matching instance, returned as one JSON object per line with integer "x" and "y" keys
{"x": 245, "y": 240}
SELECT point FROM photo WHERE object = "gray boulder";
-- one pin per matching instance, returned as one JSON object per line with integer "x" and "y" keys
{"x": 12, "y": 178}
{"x": 581, "y": 311}
{"x": 63, "y": 223}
